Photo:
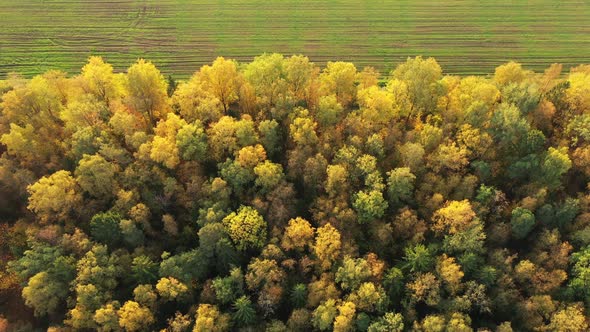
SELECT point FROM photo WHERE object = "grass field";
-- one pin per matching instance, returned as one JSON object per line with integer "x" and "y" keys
{"x": 465, "y": 36}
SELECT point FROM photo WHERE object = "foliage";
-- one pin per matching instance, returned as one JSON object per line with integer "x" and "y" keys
{"x": 277, "y": 195}
{"x": 246, "y": 228}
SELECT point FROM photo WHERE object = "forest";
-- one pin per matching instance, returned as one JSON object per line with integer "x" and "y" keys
{"x": 278, "y": 195}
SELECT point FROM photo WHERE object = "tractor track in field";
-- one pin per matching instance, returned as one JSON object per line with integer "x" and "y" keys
{"x": 466, "y": 36}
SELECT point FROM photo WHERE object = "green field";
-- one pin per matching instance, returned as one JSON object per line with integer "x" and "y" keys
{"x": 465, "y": 36}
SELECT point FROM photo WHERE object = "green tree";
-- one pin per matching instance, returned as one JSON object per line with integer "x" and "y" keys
{"x": 268, "y": 175}
{"x": 270, "y": 136}
{"x": 580, "y": 275}
{"x": 329, "y": 111}
{"x": 191, "y": 141}
{"x": 44, "y": 293}
{"x": 96, "y": 176}
{"x": 229, "y": 288}
{"x": 244, "y": 314}
{"x": 98, "y": 268}
{"x": 104, "y": 228}
{"x": 522, "y": 222}
{"x": 267, "y": 75}
{"x": 144, "y": 270}
{"x": 185, "y": 267}
{"x": 555, "y": 165}
{"x": 418, "y": 258}
{"x": 298, "y": 295}
{"x": 88, "y": 299}
{"x": 400, "y": 185}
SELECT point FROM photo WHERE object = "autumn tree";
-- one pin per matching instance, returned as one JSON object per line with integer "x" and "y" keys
{"x": 55, "y": 197}
{"x": 345, "y": 319}
{"x": 146, "y": 88}
{"x": 338, "y": 79}
{"x": 327, "y": 246}
{"x": 100, "y": 80}
{"x": 352, "y": 273}
{"x": 420, "y": 75}
{"x": 222, "y": 80}
{"x": 209, "y": 318}
{"x": 324, "y": 315}
{"x": 298, "y": 235}
{"x": 134, "y": 317}
{"x": 246, "y": 228}
{"x": 454, "y": 217}
{"x": 171, "y": 289}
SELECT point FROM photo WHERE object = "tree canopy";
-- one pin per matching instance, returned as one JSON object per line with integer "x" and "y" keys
{"x": 277, "y": 195}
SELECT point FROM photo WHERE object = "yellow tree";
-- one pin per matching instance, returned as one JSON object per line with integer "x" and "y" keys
{"x": 570, "y": 319}
{"x": 299, "y": 73}
{"x": 425, "y": 288}
{"x": 369, "y": 298}
{"x": 163, "y": 148}
{"x": 134, "y": 317}
{"x": 344, "y": 322}
{"x": 338, "y": 79}
{"x": 54, "y": 197}
{"x": 377, "y": 105}
{"x": 578, "y": 93}
{"x": 99, "y": 80}
{"x": 450, "y": 272}
{"x": 222, "y": 80}
{"x": 246, "y": 228}
{"x": 327, "y": 246}
{"x": 511, "y": 72}
{"x": 321, "y": 290}
{"x": 195, "y": 102}
{"x": 298, "y": 235}
{"x": 147, "y": 91}
{"x": 106, "y": 317}
{"x": 368, "y": 77}
{"x": 454, "y": 217}
{"x": 30, "y": 126}
{"x": 210, "y": 319}
{"x": 171, "y": 289}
